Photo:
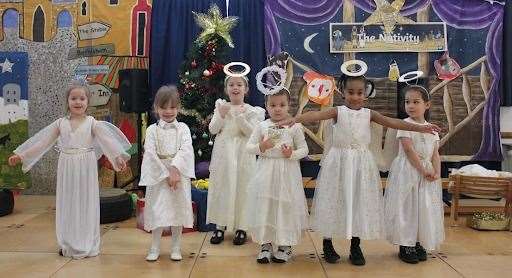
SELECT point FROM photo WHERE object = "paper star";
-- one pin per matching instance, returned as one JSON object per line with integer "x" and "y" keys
{"x": 388, "y": 15}
{"x": 6, "y": 66}
{"x": 213, "y": 23}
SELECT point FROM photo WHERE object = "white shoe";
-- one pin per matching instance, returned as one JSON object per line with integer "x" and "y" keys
{"x": 153, "y": 255}
{"x": 283, "y": 254}
{"x": 265, "y": 254}
{"x": 176, "y": 254}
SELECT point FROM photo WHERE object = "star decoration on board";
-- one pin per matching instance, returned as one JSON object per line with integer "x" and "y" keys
{"x": 388, "y": 15}
{"x": 213, "y": 23}
{"x": 6, "y": 66}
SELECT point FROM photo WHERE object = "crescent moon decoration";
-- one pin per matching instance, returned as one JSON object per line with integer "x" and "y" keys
{"x": 307, "y": 40}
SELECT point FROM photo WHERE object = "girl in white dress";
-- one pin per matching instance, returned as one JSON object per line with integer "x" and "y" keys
{"x": 81, "y": 142}
{"x": 167, "y": 167}
{"x": 231, "y": 165}
{"x": 278, "y": 209}
{"x": 348, "y": 199}
{"x": 413, "y": 201}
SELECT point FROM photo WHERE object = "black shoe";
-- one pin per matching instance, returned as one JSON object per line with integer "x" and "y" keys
{"x": 60, "y": 253}
{"x": 330, "y": 254}
{"x": 218, "y": 237}
{"x": 240, "y": 237}
{"x": 356, "y": 254}
{"x": 421, "y": 252}
{"x": 408, "y": 254}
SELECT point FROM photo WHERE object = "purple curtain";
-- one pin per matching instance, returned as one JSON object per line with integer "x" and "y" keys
{"x": 463, "y": 14}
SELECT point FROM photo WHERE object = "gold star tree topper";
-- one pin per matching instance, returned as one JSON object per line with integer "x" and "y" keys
{"x": 214, "y": 23}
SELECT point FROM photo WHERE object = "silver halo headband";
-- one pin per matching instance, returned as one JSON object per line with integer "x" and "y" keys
{"x": 418, "y": 87}
{"x": 415, "y": 76}
{"x": 231, "y": 73}
{"x": 268, "y": 88}
{"x": 344, "y": 68}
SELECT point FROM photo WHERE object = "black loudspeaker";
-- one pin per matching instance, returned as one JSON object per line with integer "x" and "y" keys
{"x": 134, "y": 96}
{"x": 400, "y": 96}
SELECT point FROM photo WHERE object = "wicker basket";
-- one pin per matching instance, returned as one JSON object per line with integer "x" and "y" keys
{"x": 489, "y": 225}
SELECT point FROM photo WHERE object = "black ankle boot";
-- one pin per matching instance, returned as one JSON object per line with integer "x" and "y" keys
{"x": 240, "y": 237}
{"x": 421, "y": 252}
{"x": 330, "y": 254}
{"x": 356, "y": 254}
{"x": 218, "y": 237}
{"x": 408, "y": 254}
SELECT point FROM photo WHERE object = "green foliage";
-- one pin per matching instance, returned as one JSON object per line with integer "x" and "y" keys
{"x": 13, "y": 177}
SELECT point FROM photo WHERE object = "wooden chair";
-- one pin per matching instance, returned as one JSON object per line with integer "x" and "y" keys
{"x": 479, "y": 187}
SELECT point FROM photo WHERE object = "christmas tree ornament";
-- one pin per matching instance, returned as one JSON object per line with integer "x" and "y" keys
{"x": 213, "y": 23}
{"x": 210, "y": 143}
{"x": 207, "y": 73}
{"x": 200, "y": 153}
{"x": 194, "y": 137}
{"x": 205, "y": 135}
{"x": 193, "y": 64}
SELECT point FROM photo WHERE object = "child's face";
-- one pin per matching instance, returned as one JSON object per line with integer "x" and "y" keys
{"x": 77, "y": 102}
{"x": 168, "y": 112}
{"x": 236, "y": 89}
{"x": 354, "y": 93}
{"x": 415, "y": 106}
{"x": 277, "y": 107}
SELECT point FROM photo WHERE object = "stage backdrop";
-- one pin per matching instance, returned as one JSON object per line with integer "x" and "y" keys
{"x": 467, "y": 106}
{"x": 44, "y": 45}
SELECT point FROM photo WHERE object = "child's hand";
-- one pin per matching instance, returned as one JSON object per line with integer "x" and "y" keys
{"x": 224, "y": 109}
{"x": 121, "y": 164}
{"x": 430, "y": 128}
{"x": 174, "y": 178}
{"x": 287, "y": 122}
{"x": 286, "y": 151}
{"x": 266, "y": 144}
{"x": 430, "y": 175}
{"x": 14, "y": 159}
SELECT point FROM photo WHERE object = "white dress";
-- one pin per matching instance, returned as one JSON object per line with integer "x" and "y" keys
{"x": 77, "y": 194}
{"x": 413, "y": 205}
{"x": 277, "y": 205}
{"x": 348, "y": 199}
{"x": 166, "y": 145}
{"x": 231, "y": 166}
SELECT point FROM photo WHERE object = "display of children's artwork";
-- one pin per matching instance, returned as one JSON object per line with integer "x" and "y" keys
{"x": 320, "y": 87}
{"x": 13, "y": 113}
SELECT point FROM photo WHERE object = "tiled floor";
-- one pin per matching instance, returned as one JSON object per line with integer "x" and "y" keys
{"x": 28, "y": 249}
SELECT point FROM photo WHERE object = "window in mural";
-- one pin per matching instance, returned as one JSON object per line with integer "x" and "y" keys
{"x": 64, "y": 19}
{"x": 141, "y": 23}
{"x": 38, "y": 25}
{"x": 113, "y": 2}
{"x": 84, "y": 8}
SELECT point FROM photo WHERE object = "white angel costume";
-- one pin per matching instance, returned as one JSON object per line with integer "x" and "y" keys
{"x": 231, "y": 166}
{"x": 167, "y": 145}
{"x": 277, "y": 206}
{"x": 77, "y": 196}
{"x": 348, "y": 199}
{"x": 413, "y": 205}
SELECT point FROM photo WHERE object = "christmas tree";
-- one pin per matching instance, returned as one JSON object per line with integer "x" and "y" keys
{"x": 202, "y": 77}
